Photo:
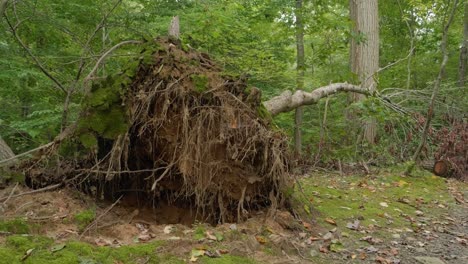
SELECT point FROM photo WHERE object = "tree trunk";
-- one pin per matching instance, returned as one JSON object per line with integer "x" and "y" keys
{"x": 5, "y": 150}
{"x": 463, "y": 51}
{"x": 364, "y": 53}
{"x": 300, "y": 75}
{"x": 435, "y": 91}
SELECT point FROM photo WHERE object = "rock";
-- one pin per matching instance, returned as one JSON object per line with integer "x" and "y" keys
{"x": 429, "y": 260}
{"x": 396, "y": 236}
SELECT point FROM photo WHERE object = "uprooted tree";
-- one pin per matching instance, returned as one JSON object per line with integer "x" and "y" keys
{"x": 172, "y": 129}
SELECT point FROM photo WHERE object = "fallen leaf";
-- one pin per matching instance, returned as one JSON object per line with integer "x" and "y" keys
{"x": 323, "y": 249}
{"x": 168, "y": 229}
{"x": 336, "y": 247}
{"x": 27, "y": 254}
{"x": 57, "y": 247}
{"x": 371, "y": 240}
{"x": 362, "y": 256}
{"x": 210, "y": 236}
{"x": 101, "y": 242}
{"x": 195, "y": 254}
{"x": 211, "y": 254}
{"x": 353, "y": 225}
{"x": 307, "y": 226}
{"x": 330, "y": 221}
{"x": 223, "y": 251}
{"x": 371, "y": 249}
{"x": 261, "y": 239}
{"x": 461, "y": 241}
{"x": 144, "y": 237}
{"x": 394, "y": 251}
{"x": 382, "y": 260}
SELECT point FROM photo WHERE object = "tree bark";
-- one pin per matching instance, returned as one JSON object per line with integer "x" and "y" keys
{"x": 298, "y": 115}
{"x": 462, "y": 68}
{"x": 3, "y": 6}
{"x": 364, "y": 53}
{"x": 5, "y": 150}
{"x": 174, "y": 28}
{"x": 288, "y": 100}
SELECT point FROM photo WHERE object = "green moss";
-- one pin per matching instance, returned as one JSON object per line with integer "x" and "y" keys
{"x": 88, "y": 140}
{"x": 15, "y": 248}
{"x": 200, "y": 82}
{"x": 85, "y": 218}
{"x": 16, "y": 226}
{"x": 358, "y": 197}
{"x": 227, "y": 259}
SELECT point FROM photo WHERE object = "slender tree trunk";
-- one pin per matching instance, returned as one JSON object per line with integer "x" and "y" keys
{"x": 300, "y": 75}
{"x": 435, "y": 91}
{"x": 364, "y": 53}
{"x": 462, "y": 68}
{"x": 5, "y": 150}
{"x": 3, "y": 6}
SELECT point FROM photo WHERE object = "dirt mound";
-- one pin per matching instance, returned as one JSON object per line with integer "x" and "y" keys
{"x": 171, "y": 129}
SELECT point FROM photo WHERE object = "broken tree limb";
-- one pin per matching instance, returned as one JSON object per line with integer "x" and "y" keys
{"x": 106, "y": 54}
{"x": 288, "y": 101}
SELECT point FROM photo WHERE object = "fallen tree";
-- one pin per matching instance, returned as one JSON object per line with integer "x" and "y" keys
{"x": 172, "y": 129}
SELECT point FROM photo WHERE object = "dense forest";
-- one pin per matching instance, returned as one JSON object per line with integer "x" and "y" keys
{"x": 212, "y": 112}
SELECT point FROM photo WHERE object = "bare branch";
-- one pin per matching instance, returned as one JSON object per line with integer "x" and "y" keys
{"x": 288, "y": 101}
{"x": 106, "y": 54}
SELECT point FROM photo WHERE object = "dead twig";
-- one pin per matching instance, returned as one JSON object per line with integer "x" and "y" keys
{"x": 48, "y": 188}
{"x": 11, "y": 194}
{"x": 95, "y": 222}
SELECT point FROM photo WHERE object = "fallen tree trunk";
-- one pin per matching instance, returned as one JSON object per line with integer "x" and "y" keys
{"x": 288, "y": 100}
{"x": 443, "y": 168}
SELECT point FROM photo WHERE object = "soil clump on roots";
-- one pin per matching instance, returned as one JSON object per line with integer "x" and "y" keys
{"x": 171, "y": 129}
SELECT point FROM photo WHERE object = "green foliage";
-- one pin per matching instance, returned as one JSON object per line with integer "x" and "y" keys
{"x": 246, "y": 37}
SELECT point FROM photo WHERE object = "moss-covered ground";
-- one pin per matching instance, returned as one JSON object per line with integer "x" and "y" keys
{"x": 386, "y": 205}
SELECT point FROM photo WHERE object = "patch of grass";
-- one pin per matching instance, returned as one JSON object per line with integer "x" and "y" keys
{"x": 347, "y": 198}
{"x": 16, "y": 246}
{"x": 16, "y": 226}
{"x": 84, "y": 218}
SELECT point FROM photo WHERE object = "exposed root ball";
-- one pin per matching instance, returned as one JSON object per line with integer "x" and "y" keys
{"x": 188, "y": 136}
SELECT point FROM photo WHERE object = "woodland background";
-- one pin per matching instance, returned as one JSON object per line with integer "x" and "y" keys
{"x": 48, "y": 47}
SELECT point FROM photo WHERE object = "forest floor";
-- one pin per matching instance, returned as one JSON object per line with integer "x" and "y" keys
{"x": 378, "y": 218}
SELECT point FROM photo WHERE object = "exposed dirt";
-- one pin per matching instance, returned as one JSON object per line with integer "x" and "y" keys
{"x": 438, "y": 234}
{"x": 267, "y": 239}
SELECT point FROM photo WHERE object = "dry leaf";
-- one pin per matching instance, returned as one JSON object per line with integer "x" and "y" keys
{"x": 261, "y": 239}
{"x": 330, "y": 221}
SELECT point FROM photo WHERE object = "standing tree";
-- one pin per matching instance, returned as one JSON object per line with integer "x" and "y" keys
{"x": 5, "y": 150}
{"x": 364, "y": 52}
{"x": 463, "y": 50}
{"x": 300, "y": 74}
